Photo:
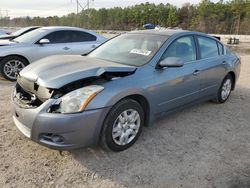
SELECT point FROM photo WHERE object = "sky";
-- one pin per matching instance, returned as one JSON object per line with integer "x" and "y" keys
{"x": 43, "y": 8}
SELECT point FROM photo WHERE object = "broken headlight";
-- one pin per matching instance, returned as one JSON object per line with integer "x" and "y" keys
{"x": 77, "y": 100}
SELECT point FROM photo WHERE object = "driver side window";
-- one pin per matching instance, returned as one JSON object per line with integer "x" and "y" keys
{"x": 183, "y": 48}
{"x": 59, "y": 37}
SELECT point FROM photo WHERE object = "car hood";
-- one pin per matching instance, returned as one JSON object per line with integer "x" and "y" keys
{"x": 57, "y": 71}
{"x": 6, "y": 36}
{"x": 7, "y": 43}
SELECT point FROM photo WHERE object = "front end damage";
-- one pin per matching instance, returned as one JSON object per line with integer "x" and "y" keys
{"x": 35, "y": 113}
{"x": 28, "y": 94}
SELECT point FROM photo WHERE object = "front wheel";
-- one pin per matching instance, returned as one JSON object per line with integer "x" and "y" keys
{"x": 11, "y": 66}
{"x": 122, "y": 126}
{"x": 225, "y": 89}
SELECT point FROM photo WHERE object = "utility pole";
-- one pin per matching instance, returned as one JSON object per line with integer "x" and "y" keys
{"x": 7, "y": 13}
{"x": 77, "y": 11}
{"x": 78, "y": 6}
{"x": 87, "y": 4}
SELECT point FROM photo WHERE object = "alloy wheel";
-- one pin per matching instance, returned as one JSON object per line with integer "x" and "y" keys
{"x": 226, "y": 89}
{"x": 126, "y": 127}
{"x": 12, "y": 68}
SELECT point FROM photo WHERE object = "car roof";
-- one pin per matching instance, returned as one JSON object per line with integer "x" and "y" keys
{"x": 30, "y": 27}
{"x": 61, "y": 28}
{"x": 167, "y": 32}
{"x": 170, "y": 32}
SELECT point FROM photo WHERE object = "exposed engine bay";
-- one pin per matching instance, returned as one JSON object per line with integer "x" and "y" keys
{"x": 28, "y": 94}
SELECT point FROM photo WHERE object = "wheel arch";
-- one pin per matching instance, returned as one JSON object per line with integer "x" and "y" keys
{"x": 139, "y": 97}
{"x": 16, "y": 55}
{"x": 233, "y": 75}
{"x": 144, "y": 103}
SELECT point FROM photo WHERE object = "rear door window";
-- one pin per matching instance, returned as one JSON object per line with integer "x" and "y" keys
{"x": 80, "y": 36}
{"x": 208, "y": 47}
{"x": 183, "y": 48}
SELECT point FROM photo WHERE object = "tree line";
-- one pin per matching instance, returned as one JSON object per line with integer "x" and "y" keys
{"x": 230, "y": 17}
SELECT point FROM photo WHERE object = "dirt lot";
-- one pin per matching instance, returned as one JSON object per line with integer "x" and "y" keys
{"x": 204, "y": 146}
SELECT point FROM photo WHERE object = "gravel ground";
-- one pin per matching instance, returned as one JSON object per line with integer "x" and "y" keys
{"x": 203, "y": 146}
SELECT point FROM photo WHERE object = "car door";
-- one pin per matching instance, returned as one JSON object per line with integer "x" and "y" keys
{"x": 59, "y": 43}
{"x": 211, "y": 65}
{"x": 178, "y": 86}
{"x": 83, "y": 42}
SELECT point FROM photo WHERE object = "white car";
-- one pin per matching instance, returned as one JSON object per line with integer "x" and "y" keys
{"x": 43, "y": 42}
{"x": 4, "y": 32}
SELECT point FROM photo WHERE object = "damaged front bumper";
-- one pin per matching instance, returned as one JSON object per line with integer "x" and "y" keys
{"x": 59, "y": 131}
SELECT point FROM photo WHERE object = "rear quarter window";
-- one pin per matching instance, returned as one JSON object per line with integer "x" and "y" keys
{"x": 228, "y": 52}
{"x": 221, "y": 48}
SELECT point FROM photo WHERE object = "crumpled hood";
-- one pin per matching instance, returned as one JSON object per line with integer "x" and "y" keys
{"x": 57, "y": 71}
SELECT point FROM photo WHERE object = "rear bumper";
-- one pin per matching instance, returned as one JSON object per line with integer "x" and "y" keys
{"x": 74, "y": 130}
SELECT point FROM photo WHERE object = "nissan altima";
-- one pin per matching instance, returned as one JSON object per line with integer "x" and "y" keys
{"x": 44, "y": 42}
{"x": 109, "y": 95}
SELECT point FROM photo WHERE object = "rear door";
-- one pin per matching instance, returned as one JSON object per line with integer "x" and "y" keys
{"x": 211, "y": 65}
{"x": 83, "y": 42}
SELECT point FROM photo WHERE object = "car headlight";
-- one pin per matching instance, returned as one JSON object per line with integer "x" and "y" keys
{"x": 77, "y": 100}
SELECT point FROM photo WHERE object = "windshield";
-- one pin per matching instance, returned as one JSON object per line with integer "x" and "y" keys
{"x": 130, "y": 49}
{"x": 20, "y": 31}
{"x": 30, "y": 36}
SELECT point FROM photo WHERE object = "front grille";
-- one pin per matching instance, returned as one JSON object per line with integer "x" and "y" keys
{"x": 25, "y": 99}
{"x": 32, "y": 90}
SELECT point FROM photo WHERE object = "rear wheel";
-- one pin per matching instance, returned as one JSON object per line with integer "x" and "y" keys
{"x": 122, "y": 126}
{"x": 225, "y": 89}
{"x": 11, "y": 66}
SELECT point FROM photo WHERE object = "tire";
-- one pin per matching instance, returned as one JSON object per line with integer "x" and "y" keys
{"x": 225, "y": 89}
{"x": 109, "y": 139}
{"x": 13, "y": 65}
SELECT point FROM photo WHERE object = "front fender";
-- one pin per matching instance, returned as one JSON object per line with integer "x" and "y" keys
{"x": 104, "y": 101}
{"x": 110, "y": 98}
{"x": 16, "y": 51}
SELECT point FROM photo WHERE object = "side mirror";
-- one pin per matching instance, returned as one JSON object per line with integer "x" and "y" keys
{"x": 171, "y": 62}
{"x": 44, "y": 41}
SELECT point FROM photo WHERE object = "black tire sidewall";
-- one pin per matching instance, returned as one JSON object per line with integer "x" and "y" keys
{"x": 220, "y": 100}
{"x": 9, "y": 58}
{"x": 107, "y": 139}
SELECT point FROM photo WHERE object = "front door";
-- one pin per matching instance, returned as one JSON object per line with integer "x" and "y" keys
{"x": 180, "y": 85}
{"x": 59, "y": 43}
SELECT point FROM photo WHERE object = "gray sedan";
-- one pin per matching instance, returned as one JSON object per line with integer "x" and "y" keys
{"x": 108, "y": 96}
{"x": 43, "y": 42}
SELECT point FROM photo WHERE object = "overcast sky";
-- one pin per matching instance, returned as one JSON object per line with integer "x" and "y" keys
{"x": 17, "y": 8}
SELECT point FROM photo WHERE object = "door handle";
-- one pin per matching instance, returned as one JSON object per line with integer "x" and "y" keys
{"x": 93, "y": 46}
{"x": 66, "y": 48}
{"x": 196, "y": 72}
